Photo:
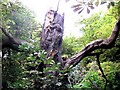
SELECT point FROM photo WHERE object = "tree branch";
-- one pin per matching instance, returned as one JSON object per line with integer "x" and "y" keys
{"x": 11, "y": 38}
{"x": 103, "y": 75}
{"x": 8, "y": 41}
{"x": 97, "y": 44}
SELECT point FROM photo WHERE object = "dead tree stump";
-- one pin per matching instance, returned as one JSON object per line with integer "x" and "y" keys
{"x": 52, "y": 34}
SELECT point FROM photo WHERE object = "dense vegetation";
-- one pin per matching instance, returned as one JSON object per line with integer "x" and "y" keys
{"x": 87, "y": 73}
{"x": 21, "y": 69}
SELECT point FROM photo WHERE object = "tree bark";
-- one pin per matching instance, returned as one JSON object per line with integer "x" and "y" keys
{"x": 97, "y": 44}
{"x": 8, "y": 41}
{"x": 51, "y": 35}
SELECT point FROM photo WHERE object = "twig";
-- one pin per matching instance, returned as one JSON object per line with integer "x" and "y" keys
{"x": 103, "y": 75}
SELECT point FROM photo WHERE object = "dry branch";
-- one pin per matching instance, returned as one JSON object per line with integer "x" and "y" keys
{"x": 97, "y": 44}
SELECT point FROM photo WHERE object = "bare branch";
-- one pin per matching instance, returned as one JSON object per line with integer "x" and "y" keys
{"x": 103, "y": 75}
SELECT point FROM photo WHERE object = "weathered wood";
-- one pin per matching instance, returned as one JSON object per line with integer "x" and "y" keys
{"x": 97, "y": 44}
{"x": 51, "y": 35}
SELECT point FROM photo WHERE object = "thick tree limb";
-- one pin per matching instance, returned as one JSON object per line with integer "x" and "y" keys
{"x": 11, "y": 38}
{"x": 97, "y": 44}
{"x": 8, "y": 41}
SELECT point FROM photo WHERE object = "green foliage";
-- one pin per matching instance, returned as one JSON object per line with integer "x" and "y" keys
{"x": 93, "y": 79}
{"x": 12, "y": 71}
{"x": 27, "y": 69}
{"x": 18, "y": 20}
{"x": 87, "y": 74}
{"x": 71, "y": 45}
{"x": 97, "y": 26}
